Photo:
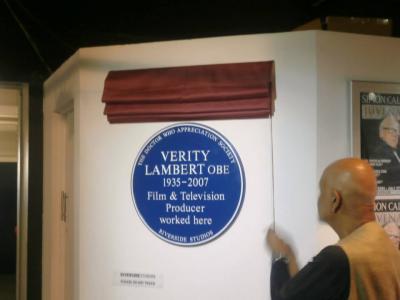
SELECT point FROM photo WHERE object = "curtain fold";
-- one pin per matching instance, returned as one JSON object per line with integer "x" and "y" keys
{"x": 205, "y": 92}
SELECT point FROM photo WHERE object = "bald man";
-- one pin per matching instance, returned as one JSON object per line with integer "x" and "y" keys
{"x": 364, "y": 264}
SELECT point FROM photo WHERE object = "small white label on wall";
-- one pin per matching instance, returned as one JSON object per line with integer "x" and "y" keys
{"x": 138, "y": 280}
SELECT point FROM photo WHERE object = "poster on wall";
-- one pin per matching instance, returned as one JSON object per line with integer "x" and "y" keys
{"x": 188, "y": 184}
{"x": 375, "y": 135}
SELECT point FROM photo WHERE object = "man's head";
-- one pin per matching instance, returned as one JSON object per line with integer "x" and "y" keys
{"x": 347, "y": 193}
{"x": 389, "y": 131}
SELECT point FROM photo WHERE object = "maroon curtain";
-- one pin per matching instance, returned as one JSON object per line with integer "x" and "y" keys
{"x": 206, "y": 92}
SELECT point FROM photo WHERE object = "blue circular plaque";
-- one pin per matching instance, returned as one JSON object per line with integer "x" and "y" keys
{"x": 188, "y": 184}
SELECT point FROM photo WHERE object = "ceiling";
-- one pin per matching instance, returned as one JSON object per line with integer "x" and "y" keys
{"x": 36, "y": 37}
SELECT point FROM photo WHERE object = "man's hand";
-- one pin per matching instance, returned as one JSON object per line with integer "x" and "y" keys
{"x": 281, "y": 249}
{"x": 277, "y": 245}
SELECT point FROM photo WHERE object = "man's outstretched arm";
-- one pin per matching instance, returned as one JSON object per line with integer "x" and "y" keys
{"x": 327, "y": 276}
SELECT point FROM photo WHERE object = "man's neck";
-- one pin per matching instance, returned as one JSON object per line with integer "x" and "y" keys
{"x": 347, "y": 226}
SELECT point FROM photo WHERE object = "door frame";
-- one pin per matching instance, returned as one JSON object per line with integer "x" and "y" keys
{"x": 54, "y": 126}
{"x": 22, "y": 186}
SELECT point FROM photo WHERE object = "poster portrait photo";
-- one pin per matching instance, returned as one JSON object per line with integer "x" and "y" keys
{"x": 380, "y": 128}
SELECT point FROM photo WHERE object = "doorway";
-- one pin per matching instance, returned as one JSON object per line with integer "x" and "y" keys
{"x": 8, "y": 221}
{"x": 13, "y": 190}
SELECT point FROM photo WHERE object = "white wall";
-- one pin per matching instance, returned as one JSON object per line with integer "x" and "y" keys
{"x": 110, "y": 224}
{"x": 295, "y": 62}
{"x": 237, "y": 259}
{"x": 342, "y": 58}
{"x": 110, "y": 236}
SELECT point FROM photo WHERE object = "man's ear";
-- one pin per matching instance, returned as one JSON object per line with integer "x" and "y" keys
{"x": 337, "y": 201}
